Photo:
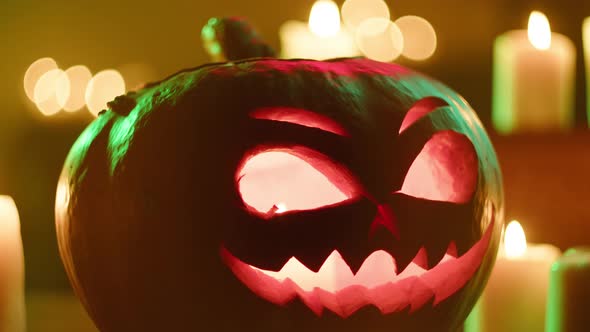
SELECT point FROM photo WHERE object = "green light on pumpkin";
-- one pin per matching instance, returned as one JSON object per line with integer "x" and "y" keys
{"x": 213, "y": 21}
{"x": 472, "y": 321}
{"x": 82, "y": 145}
{"x": 120, "y": 137}
{"x": 215, "y": 49}
{"x": 208, "y": 33}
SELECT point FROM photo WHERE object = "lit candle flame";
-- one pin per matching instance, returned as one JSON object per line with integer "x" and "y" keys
{"x": 324, "y": 18}
{"x": 514, "y": 240}
{"x": 539, "y": 31}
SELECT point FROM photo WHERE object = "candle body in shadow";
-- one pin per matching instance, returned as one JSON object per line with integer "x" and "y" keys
{"x": 568, "y": 307}
{"x": 533, "y": 89}
{"x": 12, "y": 303}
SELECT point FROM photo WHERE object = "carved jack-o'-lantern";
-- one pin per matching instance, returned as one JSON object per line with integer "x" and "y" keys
{"x": 282, "y": 195}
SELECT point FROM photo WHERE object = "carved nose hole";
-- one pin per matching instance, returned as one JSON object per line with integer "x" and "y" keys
{"x": 384, "y": 219}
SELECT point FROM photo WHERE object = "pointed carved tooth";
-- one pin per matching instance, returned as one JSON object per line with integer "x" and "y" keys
{"x": 450, "y": 254}
{"x": 421, "y": 258}
{"x": 404, "y": 254}
{"x": 334, "y": 274}
{"x": 411, "y": 271}
{"x": 436, "y": 252}
{"x": 463, "y": 245}
{"x": 313, "y": 261}
{"x": 294, "y": 270}
{"x": 354, "y": 262}
{"x": 378, "y": 269}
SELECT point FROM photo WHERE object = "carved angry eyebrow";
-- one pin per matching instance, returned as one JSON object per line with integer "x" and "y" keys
{"x": 300, "y": 117}
{"x": 420, "y": 109}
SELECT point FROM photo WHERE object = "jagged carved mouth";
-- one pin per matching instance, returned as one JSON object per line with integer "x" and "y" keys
{"x": 377, "y": 282}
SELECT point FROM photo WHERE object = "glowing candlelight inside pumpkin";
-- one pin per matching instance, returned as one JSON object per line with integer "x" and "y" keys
{"x": 281, "y": 207}
{"x": 533, "y": 79}
{"x": 12, "y": 303}
{"x": 516, "y": 294}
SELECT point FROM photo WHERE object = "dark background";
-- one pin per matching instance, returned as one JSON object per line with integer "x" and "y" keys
{"x": 164, "y": 35}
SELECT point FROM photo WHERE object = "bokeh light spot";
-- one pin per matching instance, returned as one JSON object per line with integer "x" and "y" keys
{"x": 419, "y": 37}
{"x": 34, "y": 73}
{"x": 102, "y": 88}
{"x": 44, "y": 94}
{"x": 71, "y": 88}
{"x": 379, "y": 39}
{"x": 324, "y": 18}
{"x": 354, "y": 12}
{"x": 298, "y": 42}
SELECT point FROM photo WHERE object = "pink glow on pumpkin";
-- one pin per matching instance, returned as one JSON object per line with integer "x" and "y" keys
{"x": 378, "y": 283}
{"x": 352, "y": 67}
{"x": 345, "y": 68}
{"x": 301, "y": 117}
{"x": 445, "y": 170}
{"x": 277, "y": 180}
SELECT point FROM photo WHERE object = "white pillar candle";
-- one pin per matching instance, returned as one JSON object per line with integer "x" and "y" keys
{"x": 516, "y": 294}
{"x": 12, "y": 304}
{"x": 586, "y": 38}
{"x": 321, "y": 38}
{"x": 533, "y": 79}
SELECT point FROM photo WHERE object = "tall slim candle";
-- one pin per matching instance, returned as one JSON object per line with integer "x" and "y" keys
{"x": 12, "y": 305}
{"x": 586, "y": 38}
{"x": 533, "y": 86}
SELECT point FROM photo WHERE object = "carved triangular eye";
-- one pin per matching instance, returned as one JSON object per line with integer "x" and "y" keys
{"x": 420, "y": 109}
{"x": 445, "y": 170}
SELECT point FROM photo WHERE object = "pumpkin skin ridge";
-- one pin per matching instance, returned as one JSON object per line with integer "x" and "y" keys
{"x": 256, "y": 60}
{"x": 151, "y": 113}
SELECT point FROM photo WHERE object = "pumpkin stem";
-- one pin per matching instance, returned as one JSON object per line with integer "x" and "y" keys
{"x": 122, "y": 105}
{"x": 230, "y": 39}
